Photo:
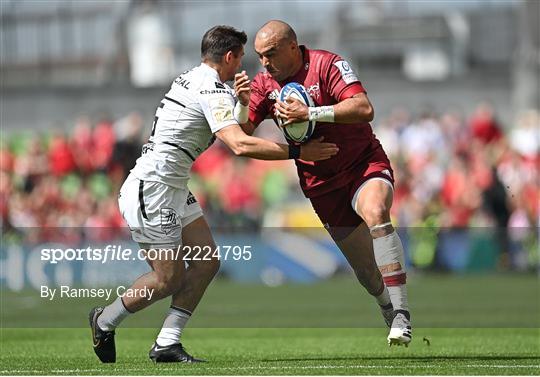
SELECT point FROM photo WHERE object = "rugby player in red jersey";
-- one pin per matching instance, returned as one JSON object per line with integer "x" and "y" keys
{"x": 351, "y": 192}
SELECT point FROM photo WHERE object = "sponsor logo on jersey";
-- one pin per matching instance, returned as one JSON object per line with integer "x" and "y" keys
{"x": 220, "y": 85}
{"x": 191, "y": 199}
{"x": 215, "y": 91}
{"x": 314, "y": 91}
{"x": 347, "y": 74}
{"x": 169, "y": 220}
{"x": 221, "y": 109}
{"x": 273, "y": 95}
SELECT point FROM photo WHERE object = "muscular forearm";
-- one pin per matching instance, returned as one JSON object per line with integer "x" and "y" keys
{"x": 249, "y": 146}
{"x": 254, "y": 147}
{"x": 356, "y": 109}
{"x": 260, "y": 149}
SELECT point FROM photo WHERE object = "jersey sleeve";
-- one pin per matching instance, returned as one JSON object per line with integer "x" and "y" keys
{"x": 258, "y": 105}
{"x": 218, "y": 107}
{"x": 342, "y": 82}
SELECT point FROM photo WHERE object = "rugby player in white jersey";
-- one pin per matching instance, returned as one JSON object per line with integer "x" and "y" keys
{"x": 157, "y": 205}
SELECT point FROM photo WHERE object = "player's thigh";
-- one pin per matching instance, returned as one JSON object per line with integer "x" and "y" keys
{"x": 166, "y": 260}
{"x": 373, "y": 200}
{"x": 357, "y": 247}
{"x": 335, "y": 212}
{"x": 199, "y": 243}
{"x": 153, "y": 211}
{"x": 197, "y": 233}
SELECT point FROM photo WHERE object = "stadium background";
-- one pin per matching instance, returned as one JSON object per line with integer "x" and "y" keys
{"x": 455, "y": 86}
{"x": 455, "y": 89}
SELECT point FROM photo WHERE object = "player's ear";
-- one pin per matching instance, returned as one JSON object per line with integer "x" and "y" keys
{"x": 293, "y": 44}
{"x": 228, "y": 57}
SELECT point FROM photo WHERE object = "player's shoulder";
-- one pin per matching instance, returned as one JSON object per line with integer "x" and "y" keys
{"x": 263, "y": 81}
{"x": 325, "y": 54}
{"x": 323, "y": 57}
{"x": 211, "y": 86}
{"x": 189, "y": 81}
{"x": 202, "y": 77}
{"x": 262, "y": 77}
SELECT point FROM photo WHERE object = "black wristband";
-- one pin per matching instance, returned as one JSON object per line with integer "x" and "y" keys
{"x": 294, "y": 152}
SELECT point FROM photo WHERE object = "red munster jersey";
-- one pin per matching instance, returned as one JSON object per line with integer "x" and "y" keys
{"x": 329, "y": 79}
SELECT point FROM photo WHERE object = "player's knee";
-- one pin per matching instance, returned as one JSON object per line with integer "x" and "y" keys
{"x": 376, "y": 214}
{"x": 208, "y": 266}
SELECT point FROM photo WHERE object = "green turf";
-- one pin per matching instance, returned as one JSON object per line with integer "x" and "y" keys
{"x": 281, "y": 351}
{"x": 485, "y": 324}
{"x": 447, "y": 301}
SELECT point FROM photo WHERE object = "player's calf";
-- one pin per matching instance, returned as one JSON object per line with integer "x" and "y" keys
{"x": 390, "y": 259}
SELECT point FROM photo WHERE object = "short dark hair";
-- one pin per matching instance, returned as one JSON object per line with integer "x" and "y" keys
{"x": 221, "y": 39}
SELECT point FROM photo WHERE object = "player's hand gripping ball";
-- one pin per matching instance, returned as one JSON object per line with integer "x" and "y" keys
{"x": 301, "y": 131}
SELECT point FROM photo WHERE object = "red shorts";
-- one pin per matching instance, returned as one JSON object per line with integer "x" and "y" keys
{"x": 335, "y": 207}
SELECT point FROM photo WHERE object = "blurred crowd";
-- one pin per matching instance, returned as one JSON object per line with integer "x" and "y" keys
{"x": 452, "y": 170}
{"x": 455, "y": 172}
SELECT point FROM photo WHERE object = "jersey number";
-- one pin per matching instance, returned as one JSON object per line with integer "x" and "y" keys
{"x": 156, "y": 120}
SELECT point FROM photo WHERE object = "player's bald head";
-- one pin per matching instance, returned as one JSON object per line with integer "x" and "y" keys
{"x": 277, "y": 30}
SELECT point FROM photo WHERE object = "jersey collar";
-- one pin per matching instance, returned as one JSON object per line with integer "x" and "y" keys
{"x": 205, "y": 67}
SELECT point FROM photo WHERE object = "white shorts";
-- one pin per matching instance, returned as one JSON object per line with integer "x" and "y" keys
{"x": 156, "y": 212}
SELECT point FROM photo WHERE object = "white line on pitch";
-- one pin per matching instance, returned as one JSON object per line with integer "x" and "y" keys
{"x": 305, "y": 367}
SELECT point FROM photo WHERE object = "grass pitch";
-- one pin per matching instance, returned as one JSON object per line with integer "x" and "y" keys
{"x": 314, "y": 337}
{"x": 280, "y": 352}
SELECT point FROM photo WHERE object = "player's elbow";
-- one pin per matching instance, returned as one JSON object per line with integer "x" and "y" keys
{"x": 367, "y": 112}
{"x": 363, "y": 107}
{"x": 240, "y": 148}
{"x": 235, "y": 139}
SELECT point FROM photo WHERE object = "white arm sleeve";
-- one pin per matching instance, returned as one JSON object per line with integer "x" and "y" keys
{"x": 241, "y": 113}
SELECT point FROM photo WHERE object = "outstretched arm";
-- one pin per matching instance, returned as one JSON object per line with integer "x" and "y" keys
{"x": 254, "y": 147}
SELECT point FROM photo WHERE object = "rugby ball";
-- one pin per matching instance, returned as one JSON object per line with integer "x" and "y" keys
{"x": 296, "y": 132}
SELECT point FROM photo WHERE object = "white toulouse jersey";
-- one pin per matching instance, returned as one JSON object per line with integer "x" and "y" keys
{"x": 197, "y": 106}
